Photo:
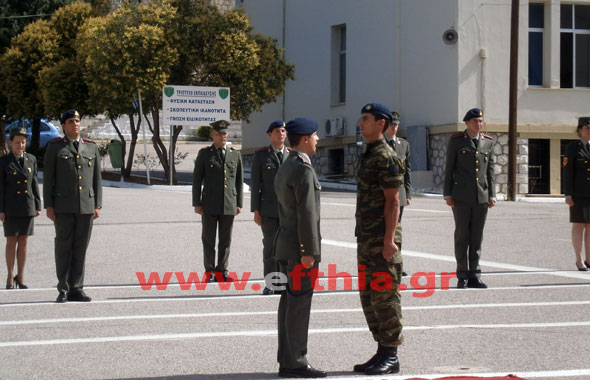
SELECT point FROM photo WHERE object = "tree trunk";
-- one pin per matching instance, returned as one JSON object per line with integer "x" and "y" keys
{"x": 159, "y": 146}
{"x": 124, "y": 147}
{"x": 134, "y": 133}
{"x": 35, "y": 133}
{"x": 175, "y": 134}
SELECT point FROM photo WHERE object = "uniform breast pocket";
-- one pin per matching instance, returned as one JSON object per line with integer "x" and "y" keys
{"x": 465, "y": 151}
{"x": 230, "y": 168}
{"x": 64, "y": 156}
{"x": 88, "y": 161}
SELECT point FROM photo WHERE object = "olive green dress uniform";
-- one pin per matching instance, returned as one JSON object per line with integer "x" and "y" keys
{"x": 298, "y": 193}
{"x": 469, "y": 181}
{"x": 379, "y": 168}
{"x": 265, "y": 164}
{"x": 577, "y": 180}
{"x": 402, "y": 148}
{"x": 72, "y": 185}
{"x": 220, "y": 196}
{"x": 19, "y": 193}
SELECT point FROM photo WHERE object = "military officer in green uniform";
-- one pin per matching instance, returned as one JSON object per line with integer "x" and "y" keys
{"x": 469, "y": 188}
{"x": 72, "y": 193}
{"x": 297, "y": 247}
{"x": 217, "y": 197}
{"x": 263, "y": 203}
{"x": 20, "y": 203}
{"x": 402, "y": 148}
{"x": 379, "y": 177}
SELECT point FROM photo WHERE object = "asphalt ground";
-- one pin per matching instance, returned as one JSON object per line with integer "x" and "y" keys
{"x": 533, "y": 321}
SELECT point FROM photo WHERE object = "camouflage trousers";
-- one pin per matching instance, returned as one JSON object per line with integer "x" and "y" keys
{"x": 380, "y": 297}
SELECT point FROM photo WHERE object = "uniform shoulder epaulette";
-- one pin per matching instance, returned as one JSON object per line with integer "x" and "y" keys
{"x": 261, "y": 149}
{"x": 486, "y": 136}
{"x": 87, "y": 140}
{"x": 288, "y": 149}
{"x": 56, "y": 140}
{"x": 458, "y": 135}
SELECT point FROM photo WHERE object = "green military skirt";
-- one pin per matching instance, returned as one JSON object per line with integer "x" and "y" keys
{"x": 580, "y": 211}
{"x": 18, "y": 226}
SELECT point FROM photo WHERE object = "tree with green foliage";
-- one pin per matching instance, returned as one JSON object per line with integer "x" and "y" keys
{"x": 127, "y": 51}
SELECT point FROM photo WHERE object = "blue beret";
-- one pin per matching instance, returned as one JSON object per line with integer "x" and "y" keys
{"x": 474, "y": 112}
{"x": 275, "y": 124}
{"x": 68, "y": 115}
{"x": 18, "y": 131}
{"x": 302, "y": 126}
{"x": 220, "y": 125}
{"x": 377, "y": 109}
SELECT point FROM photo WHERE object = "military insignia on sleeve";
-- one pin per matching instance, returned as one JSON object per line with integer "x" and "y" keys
{"x": 564, "y": 162}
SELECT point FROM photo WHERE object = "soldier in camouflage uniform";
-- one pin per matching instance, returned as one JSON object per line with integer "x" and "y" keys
{"x": 379, "y": 178}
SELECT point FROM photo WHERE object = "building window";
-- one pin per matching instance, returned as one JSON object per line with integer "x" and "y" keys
{"x": 536, "y": 29}
{"x": 339, "y": 64}
{"x": 575, "y": 46}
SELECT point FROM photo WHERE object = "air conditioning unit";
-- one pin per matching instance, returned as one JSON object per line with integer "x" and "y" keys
{"x": 335, "y": 126}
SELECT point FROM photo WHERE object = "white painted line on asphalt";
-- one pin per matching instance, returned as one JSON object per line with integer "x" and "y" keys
{"x": 274, "y": 312}
{"x": 252, "y": 333}
{"x": 493, "y": 264}
{"x": 526, "y": 375}
{"x": 195, "y": 297}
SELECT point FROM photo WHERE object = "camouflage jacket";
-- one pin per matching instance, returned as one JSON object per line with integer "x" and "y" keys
{"x": 379, "y": 168}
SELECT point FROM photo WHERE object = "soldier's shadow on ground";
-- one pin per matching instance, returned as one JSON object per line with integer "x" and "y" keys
{"x": 233, "y": 376}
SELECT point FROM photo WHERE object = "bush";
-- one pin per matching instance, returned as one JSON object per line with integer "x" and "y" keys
{"x": 204, "y": 132}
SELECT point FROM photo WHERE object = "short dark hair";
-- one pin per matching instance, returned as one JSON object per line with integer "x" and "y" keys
{"x": 294, "y": 139}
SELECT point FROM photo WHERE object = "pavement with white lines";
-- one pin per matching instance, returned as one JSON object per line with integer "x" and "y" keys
{"x": 533, "y": 321}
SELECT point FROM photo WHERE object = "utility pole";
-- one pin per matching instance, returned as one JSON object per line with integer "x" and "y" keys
{"x": 513, "y": 101}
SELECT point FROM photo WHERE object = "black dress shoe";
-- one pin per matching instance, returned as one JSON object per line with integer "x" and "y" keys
{"x": 212, "y": 278}
{"x": 587, "y": 265}
{"x": 305, "y": 372}
{"x": 404, "y": 274}
{"x": 9, "y": 286}
{"x": 78, "y": 296}
{"x": 226, "y": 279}
{"x": 370, "y": 362}
{"x": 18, "y": 284}
{"x": 387, "y": 363}
{"x": 476, "y": 283}
{"x": 267, "y": 292}
{"x": 62, "y": 297}
{"x": 461, "y": 283}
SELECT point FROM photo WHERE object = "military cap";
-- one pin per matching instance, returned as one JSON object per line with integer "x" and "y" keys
{"x": 377, "y": 109}
{"x": 220, "y": 125}
{"x": 18, "y": 131}
{"x": 474, "y": 112}
{"x": 275, "y": 124}
{"x": 68, "y": 115}
{"x": 302, "y": 126}
{"x": 395, "y": 117}
{"x": 582, "y": 121}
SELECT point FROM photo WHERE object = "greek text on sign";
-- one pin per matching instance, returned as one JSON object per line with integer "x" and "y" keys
{"x": 195, "y": 106}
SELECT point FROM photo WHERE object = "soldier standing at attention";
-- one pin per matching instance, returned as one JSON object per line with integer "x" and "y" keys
{"x": 19, "y": 203}
{"x": 576, "y": 178}
{"x": 72, "y": 192}
{"x": 297, "y": 247}
{"x": 469, "y": 188}
{"x": 402, "y": 148}
{"x": 379, "y": 177}
{"x": 218, "y": 169}
{"x": 265, "y": 164}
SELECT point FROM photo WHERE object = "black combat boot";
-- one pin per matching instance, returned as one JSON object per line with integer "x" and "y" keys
{"x": 370, "y": 362}
{"x": 387, "y": 363}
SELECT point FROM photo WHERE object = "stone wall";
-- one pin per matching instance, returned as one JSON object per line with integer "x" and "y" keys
{"x": 437, "y": 159}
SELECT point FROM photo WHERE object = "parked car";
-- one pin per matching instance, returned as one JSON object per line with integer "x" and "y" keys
{"x": 47, "y": 132}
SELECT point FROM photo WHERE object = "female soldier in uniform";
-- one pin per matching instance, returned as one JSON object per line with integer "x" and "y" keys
{"x": 577, "y": 190}
{"x": 19, "y": 203}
